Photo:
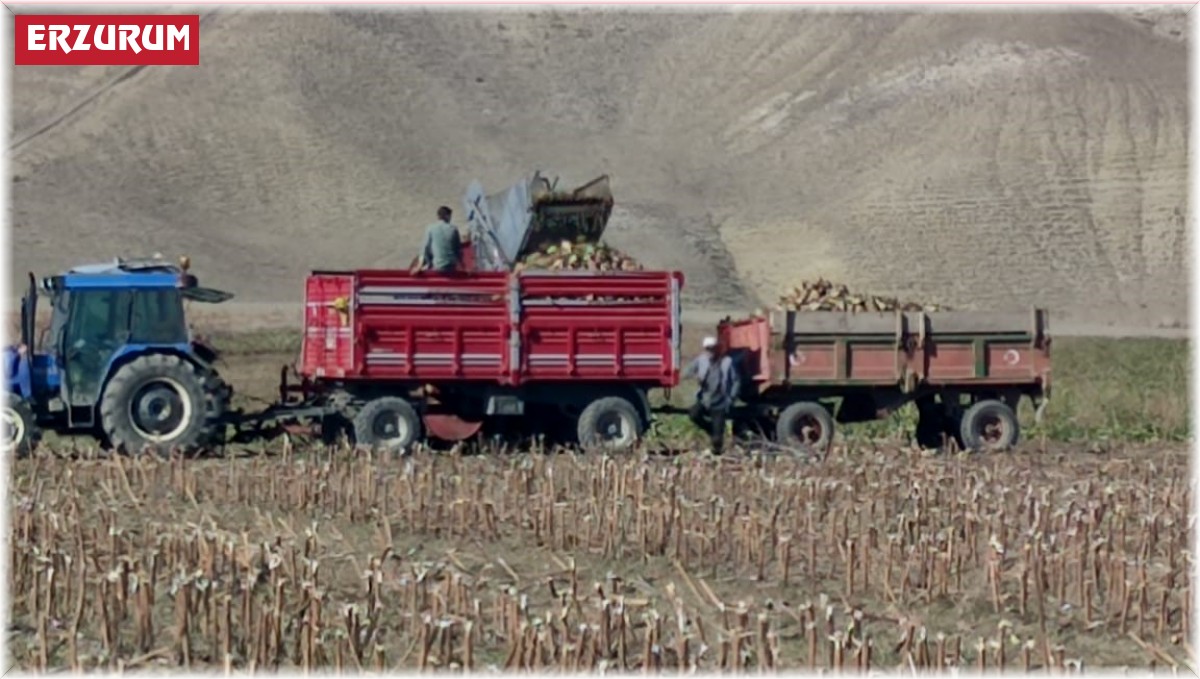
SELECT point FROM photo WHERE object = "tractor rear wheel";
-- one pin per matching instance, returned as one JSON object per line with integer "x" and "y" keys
{"x": 20, "y": 431}
{"x": 156, "y": 402}
{"x": 611, "y": 423}
{"x": 217, "y": 395}
{"x": 388, "y": 423}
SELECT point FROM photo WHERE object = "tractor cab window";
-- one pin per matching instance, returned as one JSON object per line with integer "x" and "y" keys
{"x": 157, "y": 317}
{"x": 148, "y": 316}
{"x": 97, "y": 316}
{"x": 58, "y": 318}
{"x": 101, "y": 322}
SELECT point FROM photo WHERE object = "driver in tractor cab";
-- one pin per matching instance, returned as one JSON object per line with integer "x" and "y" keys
{"x": 442, "y": 251}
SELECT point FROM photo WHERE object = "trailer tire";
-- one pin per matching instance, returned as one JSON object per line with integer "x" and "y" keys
{"x": 21, "y": 432}
{"x": 389, "y": 423}
{"x": 806, "y": 425}
{"x": 151, "y": 388}
{"x": 989, "y": 426}
{"x": 598, "y": 419}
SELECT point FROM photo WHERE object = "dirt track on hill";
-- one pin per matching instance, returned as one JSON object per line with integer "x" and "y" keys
{"x": 982, "y": 160}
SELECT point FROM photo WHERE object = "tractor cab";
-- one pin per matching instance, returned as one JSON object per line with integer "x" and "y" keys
{"x": 102, "y": 318}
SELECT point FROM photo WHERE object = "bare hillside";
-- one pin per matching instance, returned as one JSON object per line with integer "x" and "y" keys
{"x": 979, "y": 159}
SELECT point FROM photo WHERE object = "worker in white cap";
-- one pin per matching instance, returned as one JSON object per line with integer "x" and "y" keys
{"x": 719, "y": 387}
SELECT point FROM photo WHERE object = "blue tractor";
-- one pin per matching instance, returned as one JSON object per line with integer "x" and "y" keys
{"x": 118, "y": 361}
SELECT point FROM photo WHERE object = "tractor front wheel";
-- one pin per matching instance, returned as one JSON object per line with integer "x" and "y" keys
{"x": 20, "y": 431}
{"x": 156, "y": 402}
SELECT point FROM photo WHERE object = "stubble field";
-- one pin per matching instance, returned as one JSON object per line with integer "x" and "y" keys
{"x": 871, "y": 557}
{"x": 1071, "y": 550}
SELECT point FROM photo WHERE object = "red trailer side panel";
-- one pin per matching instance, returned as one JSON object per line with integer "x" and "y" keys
{"x": 500, "y": 328}
{"x": 1016, "y": 362}
{"x": 433, "y": 327}
{"x": 842, "y": 360}
{"x": 599, "y": 327}
{"x": 950, "y": 363}
{"x": 832, "y": 348}
{"x": 752, "y": 336}
{"x": 327, "y": 349}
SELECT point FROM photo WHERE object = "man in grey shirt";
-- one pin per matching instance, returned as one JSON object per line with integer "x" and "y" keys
{"x": 442, "y": 250}
{"x": 719, "y": 388}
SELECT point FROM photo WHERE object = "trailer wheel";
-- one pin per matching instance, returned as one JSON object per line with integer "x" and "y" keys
{"x": 155, "y": 401}
{"x": 806, "y": 425}
{"x": 20, "y": 431}
{"x": 611, "y": 423}
{"x": 989, "y": 426}
{"x": 389, "y": 423}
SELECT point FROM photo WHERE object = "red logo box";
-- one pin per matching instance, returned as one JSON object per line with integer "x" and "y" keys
{"x": 107, "y": 39}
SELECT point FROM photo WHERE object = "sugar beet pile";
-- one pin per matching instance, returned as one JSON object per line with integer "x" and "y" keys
{"x": 580, "y": 256}
{"x": 823, "y": 295}
{"x": 818, "y": 295}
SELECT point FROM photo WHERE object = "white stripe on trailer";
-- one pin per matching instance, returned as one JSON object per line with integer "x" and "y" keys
{"x": 444, "y": 359}
{"x": 422, "y": 290}
{"x": 431, "y": 354}
{"x": 597, "y": 356}
{"x": 422, "y": 302}
{"x": 575, "y": 302}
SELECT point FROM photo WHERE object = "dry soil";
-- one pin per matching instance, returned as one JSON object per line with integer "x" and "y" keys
{"x": 982, "y": 159}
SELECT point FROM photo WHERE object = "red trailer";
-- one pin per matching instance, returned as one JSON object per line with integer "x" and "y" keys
{"x": 965, "y": 371}
{"x": 398, "y": 355}
{"x": 393, "y": 356}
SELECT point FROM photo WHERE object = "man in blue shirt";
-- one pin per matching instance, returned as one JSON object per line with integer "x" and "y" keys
{"x": 719, "y": 388}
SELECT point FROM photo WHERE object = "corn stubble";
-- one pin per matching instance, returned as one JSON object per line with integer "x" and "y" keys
{"x": 441, "y": 562}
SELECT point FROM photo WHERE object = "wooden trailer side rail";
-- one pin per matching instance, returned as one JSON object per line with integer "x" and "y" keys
{"x": 900, "y": 349}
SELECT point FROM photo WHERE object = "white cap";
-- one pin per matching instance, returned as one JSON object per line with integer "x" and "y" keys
{"x": 710, "y": 342}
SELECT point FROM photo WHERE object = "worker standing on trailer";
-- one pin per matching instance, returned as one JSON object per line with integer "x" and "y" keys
{"x": 442, "y": 250}
{"x": 719, "y": 387}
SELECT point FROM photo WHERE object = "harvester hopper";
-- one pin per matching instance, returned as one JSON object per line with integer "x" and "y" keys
{"x": 508, "y": 226}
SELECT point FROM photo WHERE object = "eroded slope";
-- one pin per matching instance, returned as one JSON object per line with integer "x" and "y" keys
{"x": 978, "y": 159}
